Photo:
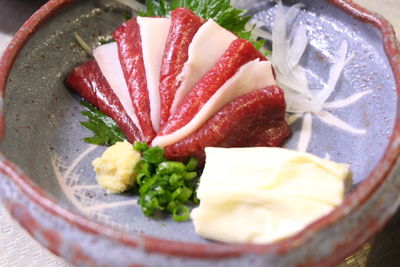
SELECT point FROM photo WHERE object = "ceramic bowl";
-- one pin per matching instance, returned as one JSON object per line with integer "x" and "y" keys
{"x": 48, "y": 186}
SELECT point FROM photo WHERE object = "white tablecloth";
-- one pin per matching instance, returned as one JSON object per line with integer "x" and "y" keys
{"x": 17, "y": 248}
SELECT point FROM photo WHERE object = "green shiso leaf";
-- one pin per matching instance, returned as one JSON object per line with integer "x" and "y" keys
{"x": 220, "y": 11}
{"x": 105, "y": 131}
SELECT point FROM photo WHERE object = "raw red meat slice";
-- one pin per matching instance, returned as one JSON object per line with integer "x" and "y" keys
{"x": 239, "y": 53}
{"x": 212, "y": 40}
{"x": 255, "y": 119}
{"x": 107, "y": 58}
{"x": 251, "y": 76}
{"x": 131, "y": 57}
{"x": 88, "y": 81}
{"x": 154, "y": 33}
{"x": 184, "y": 25}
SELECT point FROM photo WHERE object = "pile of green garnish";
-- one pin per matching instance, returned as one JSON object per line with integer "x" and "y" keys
{"x": 165, "y": 186}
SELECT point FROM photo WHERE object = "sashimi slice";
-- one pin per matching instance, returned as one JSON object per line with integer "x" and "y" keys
{"x": 184, "y": 25}
{"x": 251, "y": 76}
{"x": 131, "y": 57}
{"x": 239, "y": 53}
{"x": 107, "y": 58}
{"x": 255, "y": 119}
{"x": 88, "y": 81}
{"x": 154, "y": 33}
{"x": 208, "y": 45}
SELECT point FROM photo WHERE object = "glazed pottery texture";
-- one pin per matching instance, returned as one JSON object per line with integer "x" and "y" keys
{"x": 53, "y": 192}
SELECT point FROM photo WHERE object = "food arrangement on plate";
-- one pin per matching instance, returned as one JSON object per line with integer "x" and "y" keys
{"x": 189, "y": 94}
{"x": 338, "y": 105}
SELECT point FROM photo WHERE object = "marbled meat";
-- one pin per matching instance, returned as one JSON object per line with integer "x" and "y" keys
{"x": 88, "y": 81}
{"x": 184, "y": 25}
{"x": 239, "y": 53}
{"x": 131, "y": 56}
{"x": 255, "y": 119}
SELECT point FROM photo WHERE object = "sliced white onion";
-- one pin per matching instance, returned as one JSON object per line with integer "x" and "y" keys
{"x": 292, "y": 13}
{"x": 334, "y": 73}
{"x": 293, "y": 118}
{"x": 347, "y": 101}
{"x": 298, "y": 46}
{"x": 289, "y": 74}
{"x": 255, "y": 25}
{"x": 288, "y": 49}
{"x": 331, "y": 119}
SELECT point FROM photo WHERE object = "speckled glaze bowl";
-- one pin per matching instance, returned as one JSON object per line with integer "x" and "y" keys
{"x": 47, "y": 184}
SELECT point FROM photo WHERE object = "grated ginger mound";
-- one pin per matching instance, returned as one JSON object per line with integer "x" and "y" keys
{"x": 115, "y": 168}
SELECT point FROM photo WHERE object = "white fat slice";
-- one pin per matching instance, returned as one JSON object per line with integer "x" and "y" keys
{"x": 251, "y": 76}
{"x": 108, "y": 60}
{"x": 208, "y": 45}
{"x": 154, "y": 33}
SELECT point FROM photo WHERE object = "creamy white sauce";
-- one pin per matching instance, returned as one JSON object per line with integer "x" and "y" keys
{"x": 108, "y": 60}
{"x": 251, "y": 76}
{"x": 154, "y": 33}
{"x": 208, "y": 45}
{"x": 261, "y": 195}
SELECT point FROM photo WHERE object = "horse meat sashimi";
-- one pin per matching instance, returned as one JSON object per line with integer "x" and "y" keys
{"x": 88, "y": 81}
{"x": 154, "y": 33}
{"x": 208, "y": 45}
{"x": 108, "y": 61}
{"x": 131, "y": 57}
{"x": 184, "y": 25}
{"x": 239, "y": 53}
{"x": 255, "y": 119}
{"x": 251, "y": 76}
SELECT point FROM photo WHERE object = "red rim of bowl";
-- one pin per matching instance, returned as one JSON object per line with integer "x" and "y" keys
{"x": 355, "y": 200}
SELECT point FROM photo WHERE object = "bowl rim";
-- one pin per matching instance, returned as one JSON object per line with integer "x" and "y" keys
{"x": 354, "y": 201}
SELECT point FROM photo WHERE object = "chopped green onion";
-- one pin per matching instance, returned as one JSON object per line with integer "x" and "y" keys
{"x": 140, "y": 146}
{"x": 192, "y": 164}
{"x": 175, "y": 179}
{"x": 170, "y": 167}
{"x": 154, "y": 155}
{"x": 190, "y": 175}
{"x": 181, "y": 213}
{"x": 182, "y": 194}
{"x": 164, "y": 185}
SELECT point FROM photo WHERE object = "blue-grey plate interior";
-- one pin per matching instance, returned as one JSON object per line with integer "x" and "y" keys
{"x": 44, "y": 137}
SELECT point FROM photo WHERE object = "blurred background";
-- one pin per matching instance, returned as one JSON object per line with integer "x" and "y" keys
{"x": 17, "y": 248}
